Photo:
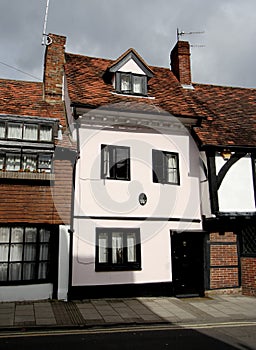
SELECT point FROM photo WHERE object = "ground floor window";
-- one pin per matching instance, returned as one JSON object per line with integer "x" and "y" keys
{"x": 117, "y": 249}
{"x": 25, "y": 253}
{"x": 248, "y": 240}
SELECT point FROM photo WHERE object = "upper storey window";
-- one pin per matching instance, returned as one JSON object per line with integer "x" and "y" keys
{"x": 130, "y": 83}
{"x": 131, "y": 74}
{"x": 26, "y": 131}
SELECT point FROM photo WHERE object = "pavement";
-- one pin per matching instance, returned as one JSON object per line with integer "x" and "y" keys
{"x": 51, "y": 314}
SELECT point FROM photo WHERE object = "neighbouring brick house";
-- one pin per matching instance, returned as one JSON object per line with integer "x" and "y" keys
{"x": 194, "y": 144}
{"x": 35, "y": 190}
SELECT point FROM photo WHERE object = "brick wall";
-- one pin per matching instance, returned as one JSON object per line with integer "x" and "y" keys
{"x": 223, "y": 261}
{"x": 248, "y": 268}
{"x": 23, "y": 202}
{"x": 180, "y": 62}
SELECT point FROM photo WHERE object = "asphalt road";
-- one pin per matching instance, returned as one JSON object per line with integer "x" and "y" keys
{"x": 220, "y": 338}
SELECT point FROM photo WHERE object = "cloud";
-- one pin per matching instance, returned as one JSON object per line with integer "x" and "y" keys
{"x": 106, "y": 28}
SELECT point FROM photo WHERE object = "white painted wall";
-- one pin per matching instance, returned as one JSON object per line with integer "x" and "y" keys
{"x": 236, "y": 193}
{"x": 131, "y": 67}
{"x": 97, "y": 197}
{"x": 63, "y": 273}
{"x": 26, "y": 292}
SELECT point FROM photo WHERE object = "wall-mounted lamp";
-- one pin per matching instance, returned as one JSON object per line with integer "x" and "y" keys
{"x": 226, "y": 154}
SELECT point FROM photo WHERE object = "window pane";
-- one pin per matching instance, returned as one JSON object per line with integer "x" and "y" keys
{"x": 103, "y": 248}
{"x": 30, "y": 234}
{"x": 29, "y": 271}
{"x": 105, "y": 161}
{"x": 14, "y": 131}
{"x": 44, "y": 235}
{"x": 131, "y": 247}
{"x": 29, "y": 162}
{"x": 117, "y": 248}
{"x": 2, "y": 130}
{"x": 3, "y": 272}
{"x": 30, "y": 132}
{"x": 121, "y": 159}
{"x": 138, "y": 84}
{"x": 125, "y": 82}
{"x": 45, "y": 133}
{"x": 29, "y": 252}
{"x": 15, "y": 272}
{"x": 4, "y": 250}
{"x": 13, "y": 162}
{"x": 17, "y": 235}
{"x": 2, "y": 158}
{"x": 172, "y": 171}
{"x": 44, "y": 252}
{"x": 43, "y": 270}
{"x": 4, "y": 234}
{"x": 16, "y": 252}
{"x": 44, "y": 162}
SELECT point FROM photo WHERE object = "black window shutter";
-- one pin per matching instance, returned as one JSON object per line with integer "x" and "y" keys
{"x": 158, "y": 166}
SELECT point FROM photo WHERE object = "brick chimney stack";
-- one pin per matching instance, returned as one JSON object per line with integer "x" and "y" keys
{"x": 54, "y": 68}
{"x": 180, "y": 62}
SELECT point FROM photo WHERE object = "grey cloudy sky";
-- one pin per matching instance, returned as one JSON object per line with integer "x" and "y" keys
{"x": 106, "y": 28}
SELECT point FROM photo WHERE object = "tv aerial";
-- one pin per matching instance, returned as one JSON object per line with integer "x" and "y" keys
{"x": 182, "y": 33}
{"x": 46, "y": 39}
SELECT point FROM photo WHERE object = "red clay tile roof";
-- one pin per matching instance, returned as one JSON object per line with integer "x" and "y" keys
{"x": 25, "y": 98}
{"x": 229, "y": 113}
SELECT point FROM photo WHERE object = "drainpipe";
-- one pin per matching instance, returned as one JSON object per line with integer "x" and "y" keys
{"x": 71, "y": 230}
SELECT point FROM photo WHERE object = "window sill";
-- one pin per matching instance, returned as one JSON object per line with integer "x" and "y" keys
{"x": 26, "y": 176}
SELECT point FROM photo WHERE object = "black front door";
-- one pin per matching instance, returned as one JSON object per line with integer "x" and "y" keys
{"x": 187, "y": 263}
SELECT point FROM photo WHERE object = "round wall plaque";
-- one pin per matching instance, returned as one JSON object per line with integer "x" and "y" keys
{"x": 142, "y": 199}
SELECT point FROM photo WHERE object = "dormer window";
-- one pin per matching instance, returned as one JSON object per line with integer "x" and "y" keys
{"x": 130, "y": 74}
{"x": 129, "y": 83}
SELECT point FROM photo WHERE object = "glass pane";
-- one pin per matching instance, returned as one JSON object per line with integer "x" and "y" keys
{"x": 45, "y": 162}
{"x": 131, "y": 247}
{"x": 137, "y": 85}
{"x": 122, "y": 156}
{"x": 4, "y": 234}
{"x": 45, "y": 133}
{"x": 17, "y": 234}
{"x": 125, "y": 82}
{"x": 106, "y": 170}
{"x": 171, "y": 160}
{"x": 3, "y": 272}
{"x": 14, "y": 131}
{"x": 16, "y": 252}
{"x": 44, "y": 252}
{"x": 44, "y": 235}
{"x": 2, "y": 130}
{"x": 103, "y": 248}
{"x": 29, "y": 162}
{"x": 117, "y": 248}
{"x": 29, "y": 271}
{"x": 29, "y": 252}
{"x": 43, "y": 270}
{"x": 4, "y": 250}
{"x": 30, "y": 132}
{"x": 2, "y": 158}
{"x": 30, "y": 234}
{"x": 15, "y": 272}
{"x": 13, "y": 162}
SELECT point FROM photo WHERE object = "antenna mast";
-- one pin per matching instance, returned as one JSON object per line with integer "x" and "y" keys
{"x": 46, "y": 40}
{"x": 181, "y": 33}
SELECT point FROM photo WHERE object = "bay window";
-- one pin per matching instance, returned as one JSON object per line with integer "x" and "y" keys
{"x": 29, "y": 162}
{"x": 26, "y": 131}
{"x": 117, "y": 249}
